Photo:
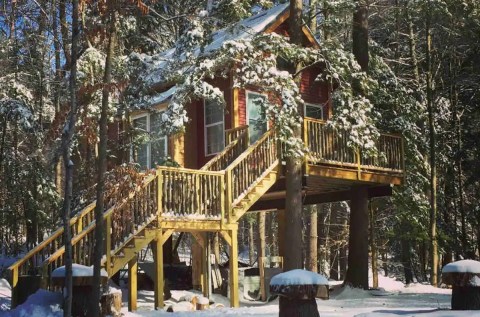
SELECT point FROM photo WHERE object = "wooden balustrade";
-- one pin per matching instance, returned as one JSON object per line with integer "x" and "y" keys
{"x": 238, "y": 142}
{"x": 191, "y": 193}
{"x": 248, "y": 168}
{"x": 235, "y": 133}
{"x": 328, "y": 146}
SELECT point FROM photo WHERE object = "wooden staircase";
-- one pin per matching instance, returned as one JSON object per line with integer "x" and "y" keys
{"x": 217, "y": 195}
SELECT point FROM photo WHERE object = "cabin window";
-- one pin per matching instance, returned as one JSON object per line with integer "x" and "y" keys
{"x": 150, "y": 149}
{"x": 314, "y": 111}
{"x": 214, "y": 127}
{"x": 256, "y": 118}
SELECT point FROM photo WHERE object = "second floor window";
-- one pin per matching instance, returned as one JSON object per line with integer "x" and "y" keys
{"x": 214, "y": 128}
{"x": 150, "y": 148}
{"x": 314, "y": 111}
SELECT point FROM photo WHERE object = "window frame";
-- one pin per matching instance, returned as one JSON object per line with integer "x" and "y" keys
{"x": 206, "y": 126}
{"x": 149, "y": 143}
{"x": 316, "y": 105}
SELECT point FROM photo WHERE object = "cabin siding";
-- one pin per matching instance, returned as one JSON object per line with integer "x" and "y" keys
{"x": 314, "y": 91}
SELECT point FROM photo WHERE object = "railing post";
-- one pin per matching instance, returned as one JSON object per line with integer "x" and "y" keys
{"x": 228, "y": 194}
{"x": 359, "y": 163}
{"x": 159, "y": 194}
{"x": 14, "y": 300}
{"x": 108, "y": 244}
{"x": 222, "y": 198}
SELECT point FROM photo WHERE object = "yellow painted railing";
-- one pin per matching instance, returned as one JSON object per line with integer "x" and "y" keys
{"x": 329, "y": 147}
{"x": 249, "y": 167}
{"x": 191, "y": 193}
{"x": 237, "y": 142}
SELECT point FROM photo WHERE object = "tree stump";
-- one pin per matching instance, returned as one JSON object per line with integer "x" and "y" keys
{"x": 297, "y": 290}
{"x": 111, "y": 304}
{"x": 464, "y": 277}
{"x": 82, "y": 281}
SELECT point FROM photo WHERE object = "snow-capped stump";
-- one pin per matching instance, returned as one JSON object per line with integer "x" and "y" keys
{"x": 464, "y": 277}
{"x": 82, "y": 280}
{"x": 297, "y": 290}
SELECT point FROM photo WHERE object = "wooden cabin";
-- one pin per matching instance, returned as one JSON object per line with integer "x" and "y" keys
{"x": 230, "y": 166}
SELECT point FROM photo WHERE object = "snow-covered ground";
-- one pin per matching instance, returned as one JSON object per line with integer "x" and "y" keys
{"x": 393, "y": 299}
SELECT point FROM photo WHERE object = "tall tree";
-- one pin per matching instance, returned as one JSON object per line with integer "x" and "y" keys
{"x": 67, "y": 136}
{"x": 293, "y": 168}
{"x": 357, "y": 271}
{"x": 102, "y": 159}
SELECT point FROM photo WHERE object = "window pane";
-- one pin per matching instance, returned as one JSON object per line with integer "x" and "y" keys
{"x": 140, "y": 151}
{"x": 213, "y": 112}
{"x": 215, "y": 138}
{"x": 158, "y": 141}
{"x": 159, "y": 151}
{"x": 257, "y": 123}
{"x": 314, "y": 111}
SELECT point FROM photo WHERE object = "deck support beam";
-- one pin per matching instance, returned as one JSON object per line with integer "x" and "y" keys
{"x": 234, "y": 299}
{"x": 159, "y": 274}
{"x": 132, "y": 284}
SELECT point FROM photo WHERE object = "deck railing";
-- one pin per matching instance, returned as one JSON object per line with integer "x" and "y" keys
{"x": 237, "y": 142}
{"x": 329, "y": 147}
{"x": 249, "y": 167}
{"x": 191, "y": 193}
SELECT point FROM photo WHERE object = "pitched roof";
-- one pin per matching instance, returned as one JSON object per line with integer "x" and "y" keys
{"x": 243, "y": 29}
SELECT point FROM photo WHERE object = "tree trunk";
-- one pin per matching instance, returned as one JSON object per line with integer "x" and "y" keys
{"x": 251, "y": 243}
{"x": 312, "y": 263}
{"x": 406, "y": 261}
{"x": 293, "y": 169}
{"x": 357, "y": 271}
{"x": 101, "y": 169}
{"x": 373, "y": 246}
{"x": 432, "y": 154}
{"x": 360, "y": 34}
{"x": 67, "y": 136}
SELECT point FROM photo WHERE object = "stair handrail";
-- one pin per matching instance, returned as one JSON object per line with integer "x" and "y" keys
{"x": 237, "y": 142}
{"x": 249, "y": 167}
{"x": 107, "y": 218}
{"x": 81, "y": 229}
{"x": 76, "y": 222}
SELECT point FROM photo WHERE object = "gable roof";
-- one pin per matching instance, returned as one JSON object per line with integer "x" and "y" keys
{"x": 264, "y": 21}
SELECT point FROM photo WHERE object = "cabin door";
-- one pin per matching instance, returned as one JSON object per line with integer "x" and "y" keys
{"x": 256, "y": 118}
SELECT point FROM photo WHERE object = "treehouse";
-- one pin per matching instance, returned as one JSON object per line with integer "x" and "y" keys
{"x": 230, "y": 165}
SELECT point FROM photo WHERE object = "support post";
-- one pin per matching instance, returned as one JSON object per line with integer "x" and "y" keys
{"x": 234, "y": 300}
{"x": 108, "y": 244}
{"x": 205, "y": 275}
{"x": 159, "y": 276}
{"x": 14, "y": 296}
{"x": 132, "y": 284}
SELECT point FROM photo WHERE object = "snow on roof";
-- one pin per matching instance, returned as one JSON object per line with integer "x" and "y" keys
{"x": 299, "y": 277}
{"x": 78, "y": 270}
{"x": 246, "y": 28}
{"x": 463, "y": 266}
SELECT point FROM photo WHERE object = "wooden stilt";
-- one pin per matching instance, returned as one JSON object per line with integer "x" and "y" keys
{"x": 234, "y": 300}
{"x": 132, "y": 284}
{"x": 159, "y": 276}
{"x": 205, "y": 275}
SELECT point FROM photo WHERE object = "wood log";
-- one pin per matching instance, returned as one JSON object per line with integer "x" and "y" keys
{"x": 465, "y": 298}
